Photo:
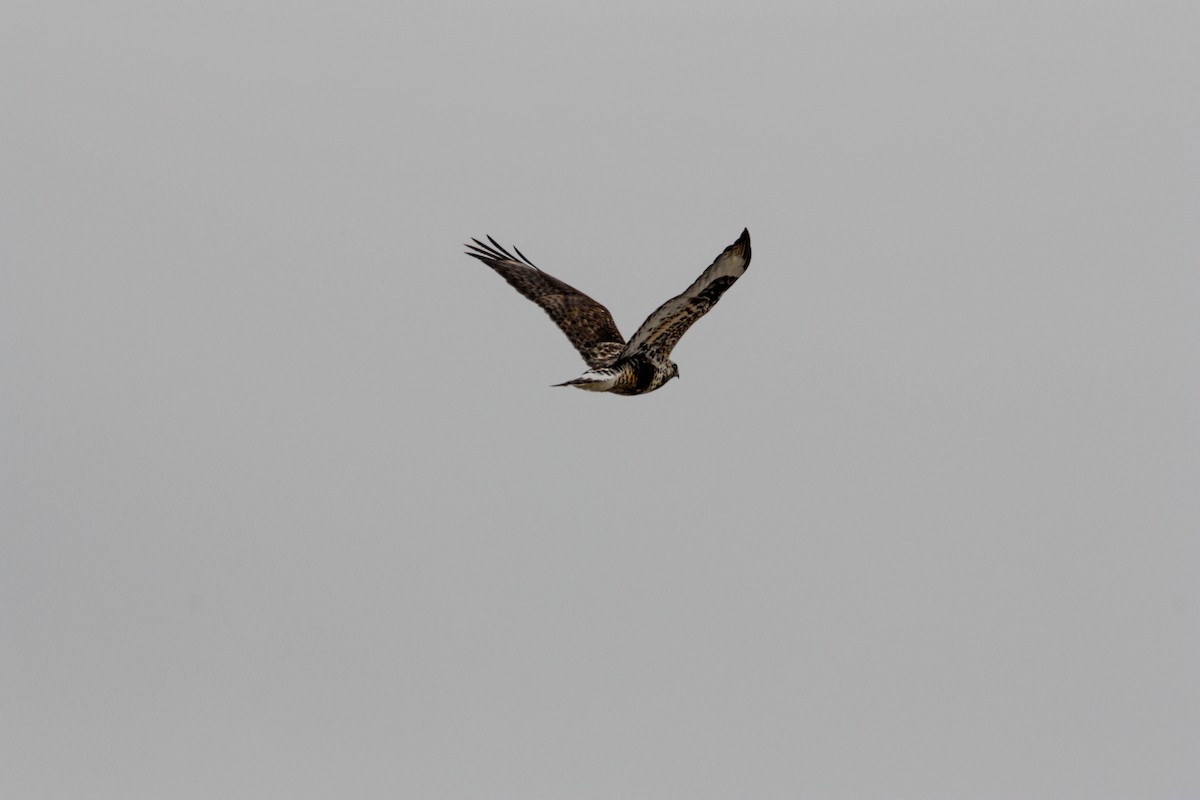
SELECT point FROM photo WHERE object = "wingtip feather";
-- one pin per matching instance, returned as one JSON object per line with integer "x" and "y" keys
{"x": 743, "y": 243}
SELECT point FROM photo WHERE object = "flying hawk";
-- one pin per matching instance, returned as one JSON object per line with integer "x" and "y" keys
{"x": 641, "y": 365}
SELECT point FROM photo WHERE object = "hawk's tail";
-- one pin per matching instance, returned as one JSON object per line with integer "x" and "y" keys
{"x": 594, "y": 380}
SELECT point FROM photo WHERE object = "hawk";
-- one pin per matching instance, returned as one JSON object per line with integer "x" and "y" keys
{"x": 642, "y": 364}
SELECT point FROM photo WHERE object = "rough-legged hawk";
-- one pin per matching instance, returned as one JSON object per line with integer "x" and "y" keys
{"x": 641, "y": 365}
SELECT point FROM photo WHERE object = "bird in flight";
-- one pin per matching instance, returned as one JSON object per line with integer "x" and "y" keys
{"x": 642, "y": 364}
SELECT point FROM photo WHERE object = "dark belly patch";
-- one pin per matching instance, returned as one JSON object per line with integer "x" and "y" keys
{"x": 645, "y": 374}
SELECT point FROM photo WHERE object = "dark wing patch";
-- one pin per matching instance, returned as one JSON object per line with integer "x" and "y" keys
{"x": 662, "y": 330}
{"x": 586, "y": 323}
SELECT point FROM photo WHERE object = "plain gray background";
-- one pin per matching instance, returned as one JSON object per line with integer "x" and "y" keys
{"x": 290, "y": 512}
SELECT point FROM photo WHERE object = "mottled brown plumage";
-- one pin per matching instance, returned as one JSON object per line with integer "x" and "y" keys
{"x": 586, "y": 323}
{"x": 641, "y": 365}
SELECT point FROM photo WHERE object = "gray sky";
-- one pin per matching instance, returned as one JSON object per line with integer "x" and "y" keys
{"x": 289, "y": 510}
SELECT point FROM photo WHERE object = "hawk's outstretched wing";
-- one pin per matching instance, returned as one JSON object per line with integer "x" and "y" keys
{"x": 663, "y": 329}
{"x": 586, "y": 323}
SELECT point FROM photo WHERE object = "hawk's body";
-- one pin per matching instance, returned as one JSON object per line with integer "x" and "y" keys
{"x": 641, "y": 365}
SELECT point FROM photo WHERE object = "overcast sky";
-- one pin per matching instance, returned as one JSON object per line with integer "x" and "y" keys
{"x": 289, "y": 511}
